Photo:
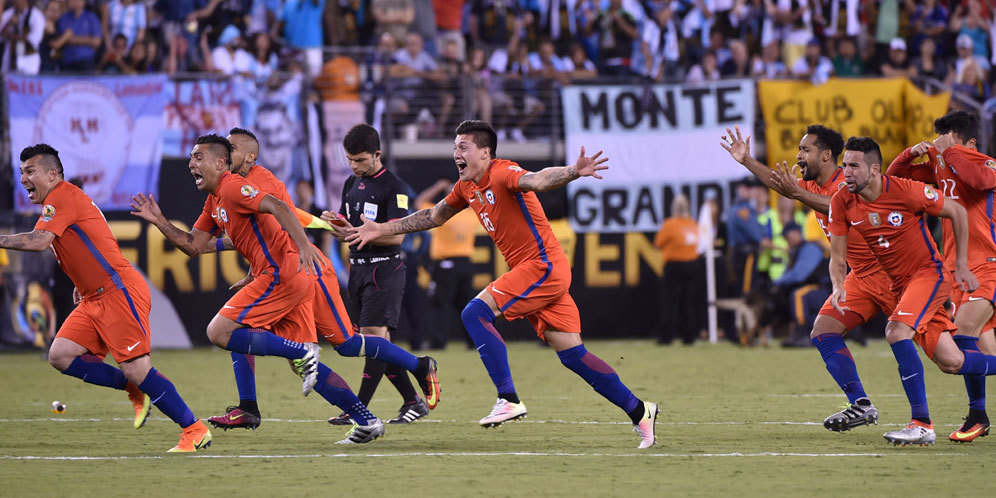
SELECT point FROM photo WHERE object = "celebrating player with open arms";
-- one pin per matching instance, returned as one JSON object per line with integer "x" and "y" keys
{"x": 113, "y": 313}
{"x": 965, "y": 176}
{"x": 888, "y": 213}
{"x": 272, "y": 315}
{"x": 867, "y": 286}
{"x": 536, "y": 286}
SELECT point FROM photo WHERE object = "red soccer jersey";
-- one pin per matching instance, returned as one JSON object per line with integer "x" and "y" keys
{"x": 892, "y": 225}
{"x": 967, "y": 177}
{"x": 83, "y": 245}
{"x": 269, "y": 184}
{"x": 513, "y": 218}
{"x": 233, "y": 208}
{"x": 860, "y": 257}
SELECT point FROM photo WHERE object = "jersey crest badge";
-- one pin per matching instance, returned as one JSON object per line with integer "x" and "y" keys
{"x": 48, "y": 211}
{"x": 991, "y": 164}
{"x": 223, "y": 215}
{"x": 841, "y": 185}
{"x": 249, "y": 191}
{"x": 929, "y": 192}
{"x": 940, "y": 161}
{"x": 515, "y": 167}
{"x": 874, "y": 219}
{"x": 477, "y": 194}
{"x": 490, "y": 195}
{"x": 895, "y": 218}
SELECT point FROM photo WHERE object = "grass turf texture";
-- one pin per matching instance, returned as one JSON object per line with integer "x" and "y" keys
{"x": 744, "y": 422}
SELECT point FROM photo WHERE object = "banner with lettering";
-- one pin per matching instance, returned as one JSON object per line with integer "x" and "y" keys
{"x": 657, "y": 137}
{"x": 107, "y": 129}
{"x": 893, "y": 111}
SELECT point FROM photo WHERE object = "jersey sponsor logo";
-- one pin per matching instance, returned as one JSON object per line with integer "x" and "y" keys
{"x": 895, "y": 218}
{"x": 515, "y": 167}
{"x": 903, "y": 313}
{"x": 856, "y": 223}
{"x": 402, "y": 201}
{"x": 370, "y": 210}
{"x": 249, "y": 191}
{"x": 48, "y": 211}
{"x": 490, "y": 195}
{"x": 874, "y": 219}
{"x": 991, "y": 164}
{"x": 133, "y": 346}
{"x": 929, "y": 192}
{"x": 223, "y": 215}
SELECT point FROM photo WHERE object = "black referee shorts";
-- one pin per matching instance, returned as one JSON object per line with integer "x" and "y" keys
{"x": 376, "y": 289}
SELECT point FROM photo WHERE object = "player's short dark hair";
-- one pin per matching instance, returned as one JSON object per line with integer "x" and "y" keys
{"x": 48, "y": 152}
{"x": 484, "y": 134}
{"x": 962, "y": 123}
{"x": 243, "y": 131}
{"x": 219, "y": 144}
{"x": 361, "y": 138}
{"x": 868, "y": 145}
{"x": 827, "y": 139}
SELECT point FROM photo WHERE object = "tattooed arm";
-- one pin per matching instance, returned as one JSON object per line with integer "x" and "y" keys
{"x": 558, "y": 176}
{"x": 418, "y": 221}
{"x": 35, "y": 240}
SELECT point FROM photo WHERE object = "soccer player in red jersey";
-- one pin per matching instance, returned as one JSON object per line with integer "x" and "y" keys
{"x": 888, "y": 213}
{"x": 868, "y": 287}
{"x": 502, "y": 195}
{"x": 965, "y": 176}
{"x": 331, "y": 318}
{"x": 113, "y": 312}
{"x": 279, "y": 297}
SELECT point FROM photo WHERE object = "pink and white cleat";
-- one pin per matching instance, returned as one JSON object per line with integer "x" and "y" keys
{"x": 646, "y": 428}
{"x": 502, "y": 412}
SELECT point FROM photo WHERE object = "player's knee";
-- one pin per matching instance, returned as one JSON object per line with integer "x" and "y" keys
{"x": 351, "y": 347}
{"x": 475, "y": 310}
{"x": 949, "y": 364}
{"x": 59, "y": 361}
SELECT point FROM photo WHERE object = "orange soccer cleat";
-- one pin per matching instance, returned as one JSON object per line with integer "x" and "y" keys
{"x": 194, "y": 437}
{"x": 141, "y": 402}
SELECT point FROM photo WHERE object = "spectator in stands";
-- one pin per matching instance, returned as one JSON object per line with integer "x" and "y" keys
{"x": 743, "y": 236}
{"x": 898, "y": 64}
{"x": 419, "y": 73}
{"x": 793, "y": 25}
{"x": 804, "y": 285}
{"x": 115, "y": 58}
{"x": 523, "y": 85}
{"x": 349, "y": 23}
{"x": 660, "y": 46}
{"x": 264, "y": 57}
{"x": 970, "y": 81}
{"x": 180, "y": 32}
{"x": 300, "y": 23}
{"x": 707, "y": 70}
{"x": 847, "y": 63}
{"x": 393, "y": 16}
{"x": 581, "y": 66}
{"x": 558, "y": 21}
{"x": 228, "y": 58}
{"x": 449, "y": 17}
{"x": 967, "y": 54}
{"x": 769, "y": 64}
{"x": 678, "y": 239}
{"x": 49, "y": 55}
{"x": 126, "y": 17}
{"x": 971, "y": 20}
{"x": 424, "y": 24}
{"x": 616, "y": 30}
{"x": 929, "y": 20}
{"x": 142, "y": 56}
{"x": 22, "y": 27}
{"x": 79, "y": 38}
{"x": 773, "y": 258}
{"x": 216, "y": 15}
{"x": 480, "y": 84}
{"x": 492, "y": 23}
{"x": 813, "y": 65}
{"x": 738, "y": 65}
{"x": 928, "y": 64}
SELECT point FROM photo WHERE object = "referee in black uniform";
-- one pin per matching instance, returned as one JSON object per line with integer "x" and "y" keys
{"x": 377, "y": 272}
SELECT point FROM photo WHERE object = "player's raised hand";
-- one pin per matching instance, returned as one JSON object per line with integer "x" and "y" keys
{"x": 310, "y": 258}
{"x": 965, "y": 278}
{"x": 362, "y": 235}
{"x": 784, "y": 179}
{"x": 340, "y": 226}
{"x": 145, "y": 207}
{"x": 920, "y": 148}
{"x": 837, "y": 300}
{"x": 944, "y": 141}
{"x": 735, "y": 144}
{"x": 590, "y": 166}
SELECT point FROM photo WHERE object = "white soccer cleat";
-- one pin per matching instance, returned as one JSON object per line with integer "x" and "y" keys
{"x": 502, "y": 412}
{"x": 364, "y": 433}
{"x": 646, "y": 428}
{"x": 307, "y": 368}
{"x": 915, "y": 432}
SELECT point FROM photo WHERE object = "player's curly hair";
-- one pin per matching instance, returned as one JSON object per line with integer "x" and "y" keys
{"x": 827, "y": 139}
{"x": 44, "y": 150}
{"x": 868, "y": 145}
{"x": 484, "y": 134}
{"x": 219, "y": 144}
{"x": 361, "y": 138}
{"x": 962, "y": 123}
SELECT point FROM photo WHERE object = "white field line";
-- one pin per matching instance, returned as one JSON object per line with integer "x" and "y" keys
{"x": 490, "y": 454}
{"x": 469, "y": 422}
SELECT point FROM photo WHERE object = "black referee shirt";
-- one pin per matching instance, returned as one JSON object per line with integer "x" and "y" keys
{"x": 381, "y": 198}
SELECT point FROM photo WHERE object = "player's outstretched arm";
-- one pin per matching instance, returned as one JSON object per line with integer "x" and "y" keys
{"x": 418, "y": 221}
{"x": 558, "y": 176}
{"x": 34, "y": 241}
{"x": 191, "y": 243}
{"x": 786, "y": 183}
{"x": 959, "y": 224}
{"x": 309, "y": 257}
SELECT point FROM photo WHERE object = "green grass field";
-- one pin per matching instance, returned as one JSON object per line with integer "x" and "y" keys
{"x": 734, "y": 422}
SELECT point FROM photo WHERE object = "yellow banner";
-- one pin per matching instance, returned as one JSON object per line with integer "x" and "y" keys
{"x": 893, "y": 111}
